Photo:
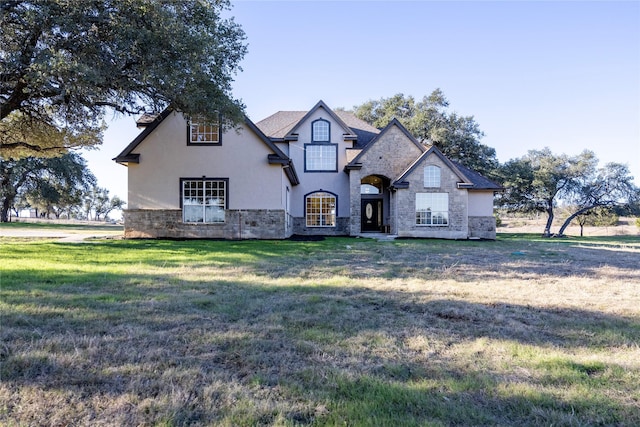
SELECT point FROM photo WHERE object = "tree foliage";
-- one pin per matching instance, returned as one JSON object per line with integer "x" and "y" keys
{"x": 536, "y": 181}
{"x": 97, "y": 203}
{"x": 49, "y": 184}
{"x": 65, "y": 64}
{"x": 431, "y": 122}
{"x": 606, "y": 187}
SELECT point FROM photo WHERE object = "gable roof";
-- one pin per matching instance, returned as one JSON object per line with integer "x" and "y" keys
{"x": 149, "y": 124}
{"x": 469, "y": 179}
{"x": 282, "y": 126}
{"x": 355, "y": 163}
{"x": 278, "y": 156}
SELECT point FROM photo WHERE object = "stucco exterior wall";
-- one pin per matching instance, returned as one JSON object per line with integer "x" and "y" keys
{"x": 165, "y": 157}
{"x": 458, "y": 227}
{"x": 334, "y": 182}
{"x": 480, "y": 203}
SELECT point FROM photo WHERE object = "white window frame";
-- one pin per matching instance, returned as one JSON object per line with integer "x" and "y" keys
{"x": 432, "y": 209}
{"x": 202, "y": 132}
{"x": 432, "y": 176}
{"x": 321, "y": 157}
{"x": 321, "y": 208}
{"x": 203, "y": 200}
{"x": 320, "y": 131}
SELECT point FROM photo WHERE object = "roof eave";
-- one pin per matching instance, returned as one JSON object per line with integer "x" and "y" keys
{"x": 125, "y": 160}
{"x": 465, "y": 185}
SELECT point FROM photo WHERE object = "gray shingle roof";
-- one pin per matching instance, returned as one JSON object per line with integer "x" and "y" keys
{"x": 479, "y": 182}
{"x": 278, "y": 125}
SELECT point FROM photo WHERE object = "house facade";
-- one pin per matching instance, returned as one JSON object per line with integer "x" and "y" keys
{"x": 316, "y": 172}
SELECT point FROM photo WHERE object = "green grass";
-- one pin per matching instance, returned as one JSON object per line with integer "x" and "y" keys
{"x": 520, "y": 331}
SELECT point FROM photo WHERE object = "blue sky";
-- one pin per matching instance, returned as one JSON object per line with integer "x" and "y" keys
{"x": 533, "y": 74}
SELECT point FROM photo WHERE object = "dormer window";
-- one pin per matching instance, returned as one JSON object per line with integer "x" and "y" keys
{"x": 202, "y": 132}
{"x": 320, "y": 131}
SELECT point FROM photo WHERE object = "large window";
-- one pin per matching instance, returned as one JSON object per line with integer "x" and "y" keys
{"x": 204, "y": 200}
{"x": 320, "y": 131}
{"x": 321, "y": 157}
{"x": 432, "y": 209}
{"x": 203, "y": 132}
{"x": 432, "y": 177}
{"x": 321, "y": 209}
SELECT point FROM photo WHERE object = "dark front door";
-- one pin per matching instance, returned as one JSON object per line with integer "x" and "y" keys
{"x": 371, "y": 215}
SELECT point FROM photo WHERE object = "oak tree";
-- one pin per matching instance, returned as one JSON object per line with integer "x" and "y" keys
{"x": 431, "y": 122}
{"x": 65, "y": 64}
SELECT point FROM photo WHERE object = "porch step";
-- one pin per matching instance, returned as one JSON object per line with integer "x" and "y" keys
{"x": 381, "y": 237}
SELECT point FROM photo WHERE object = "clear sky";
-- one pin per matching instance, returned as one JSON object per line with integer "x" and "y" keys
{"x": 560, "y": 74}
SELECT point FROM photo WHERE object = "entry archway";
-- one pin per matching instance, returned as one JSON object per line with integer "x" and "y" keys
{"x": 374, "y": 203}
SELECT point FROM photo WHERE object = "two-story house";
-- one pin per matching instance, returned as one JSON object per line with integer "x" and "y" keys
{"x": 316, "y": 172}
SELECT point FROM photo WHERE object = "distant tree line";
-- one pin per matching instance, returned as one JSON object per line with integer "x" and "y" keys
{"x": 55, "y": 187}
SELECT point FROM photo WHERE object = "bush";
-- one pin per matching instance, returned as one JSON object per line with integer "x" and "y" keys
{"x": 638, "y": 222}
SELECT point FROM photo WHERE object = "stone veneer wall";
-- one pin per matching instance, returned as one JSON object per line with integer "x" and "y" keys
{"x": 458, "y": 227}
{"x": 239, "y": 224}
{"x": 341, "y": 228}
{"x": 390, "y": 155}
{"x": 482, "y": 227}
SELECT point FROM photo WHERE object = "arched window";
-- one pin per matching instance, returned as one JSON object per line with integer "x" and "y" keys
{"x": 321, "y": 209}
{"x": 371, "y": 185}
{"x": 320, "y": 131}
{"x": 431, "y": 176}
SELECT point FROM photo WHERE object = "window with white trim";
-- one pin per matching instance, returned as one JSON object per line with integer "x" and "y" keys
{"x": 204, "y": 200}
{"x": 432, "y": 176}
{"x": 321, "y": 209}
{"x": 321, "y": 157}
{"x": 320, "y": 131}
{"x": 203, "y": 132}
{"x": 432, "y": 209}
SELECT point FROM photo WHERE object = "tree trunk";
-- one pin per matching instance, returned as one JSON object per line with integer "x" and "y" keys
{"x": 4, "y": 210}
{"x": 573, "y": 215}
{"x": 547, "y": 228}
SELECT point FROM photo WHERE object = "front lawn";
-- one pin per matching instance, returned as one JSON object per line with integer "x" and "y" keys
{"x": 520, "y": 331}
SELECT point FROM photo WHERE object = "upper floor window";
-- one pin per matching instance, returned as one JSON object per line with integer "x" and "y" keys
{"x": 320, "y": 131}
{"x": 203, "y": 132}
{"x": 321, "y": 157}
{"x": 432, "y": 176}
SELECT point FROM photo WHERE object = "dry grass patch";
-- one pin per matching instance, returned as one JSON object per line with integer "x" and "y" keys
{"x": 517, "y": 331}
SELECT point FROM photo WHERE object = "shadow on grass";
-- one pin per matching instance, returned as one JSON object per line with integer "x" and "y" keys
{"x": 149, "y": 345}
{"x": 196, "y": 352}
